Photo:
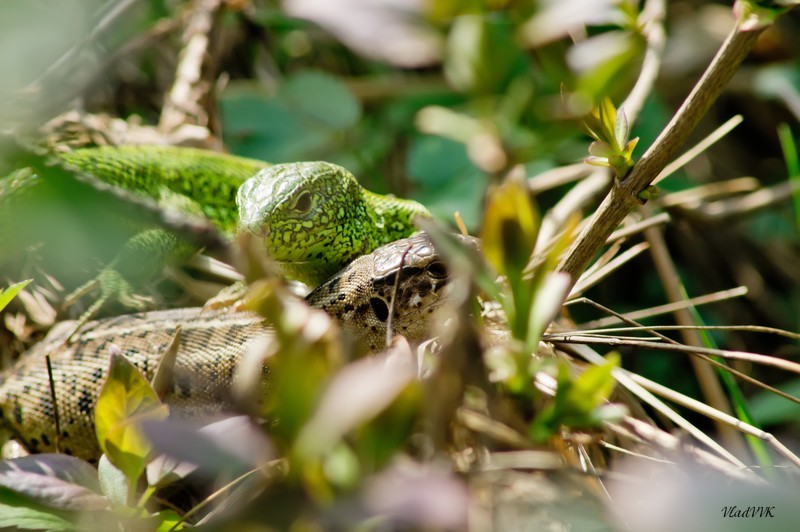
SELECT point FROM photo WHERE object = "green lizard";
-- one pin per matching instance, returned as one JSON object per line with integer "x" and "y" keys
{"x": 314, "y": 216}
{"x": 406, "y": 279}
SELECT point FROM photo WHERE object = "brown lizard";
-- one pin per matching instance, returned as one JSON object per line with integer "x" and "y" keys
{"x": 211, "y": 343}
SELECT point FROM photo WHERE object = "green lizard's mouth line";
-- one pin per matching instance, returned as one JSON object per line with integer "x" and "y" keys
{"x": 292, "y": 261}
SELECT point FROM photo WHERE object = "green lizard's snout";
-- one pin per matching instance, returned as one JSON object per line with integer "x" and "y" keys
{"x": 257, "y": 228}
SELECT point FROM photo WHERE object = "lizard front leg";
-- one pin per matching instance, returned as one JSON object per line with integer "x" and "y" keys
{"x": 142, "y": 258}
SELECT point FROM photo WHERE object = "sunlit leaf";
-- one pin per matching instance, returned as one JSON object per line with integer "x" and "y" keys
{"x": 595, "y": 384}
{"x": 608, "y": 121}
{"x": 597, "y": 161}
{"x": 621, "y": 128}
{"x": 301, "y": 356}
{"x": 9, "y": 293}
{"x": 629, "y": 147}
{"x": 601, "y": 149}
{"x": 510, "y": 227}
{"x": 752, "y": 14}
{"x": 125, "y": 399}
{"x": 608, "y": 64}
{"x": 168, "y": 520}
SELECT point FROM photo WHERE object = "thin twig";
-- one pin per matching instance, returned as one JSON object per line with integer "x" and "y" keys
{"x": 714, "y": 297}
{"x": 707, "y": 378}
{"x": 713, "y": 413}
{"x": 624, "y": 378}
{"x": 651, "y": 19}
{"x": 555, "y": 177}
{"x": 699, "y": 148}
{"x": 750, "y": 203}
{"x": 698, "y": 196}
{"x": 653, "y": 221}
{"x": 56, "y": 417}
{"x": 740, "y": 328}
{"x": 393, "y": 302}
{"x": 755, "y": 358}
{"x": 588, "y": 281}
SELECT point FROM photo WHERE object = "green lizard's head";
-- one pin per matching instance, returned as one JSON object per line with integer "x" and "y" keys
{"x": 312, "y": 217}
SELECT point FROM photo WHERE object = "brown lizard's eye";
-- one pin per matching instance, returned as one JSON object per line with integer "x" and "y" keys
{"x": 303, "y": 203}
{"x": 437, "y": 269}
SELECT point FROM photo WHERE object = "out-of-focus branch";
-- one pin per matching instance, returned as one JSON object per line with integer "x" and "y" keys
{"x": 651, "y": 19}
{"x": 181, "y": 105}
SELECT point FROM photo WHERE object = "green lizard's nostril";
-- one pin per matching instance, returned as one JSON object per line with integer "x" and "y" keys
{"x": 261, "y": 230}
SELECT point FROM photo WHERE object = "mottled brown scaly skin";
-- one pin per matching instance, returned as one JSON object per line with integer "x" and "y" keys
{"x": 314, "y": 217}
{"x": 210, "y": 347}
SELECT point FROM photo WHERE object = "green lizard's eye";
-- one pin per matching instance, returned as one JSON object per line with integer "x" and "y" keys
{"x": 303, "y": 203}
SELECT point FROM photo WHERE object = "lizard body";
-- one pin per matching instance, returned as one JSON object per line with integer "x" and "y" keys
{"x": 211, "y": 344}
{"x": 343, "y": 220}
{"x": 346, "y": 221}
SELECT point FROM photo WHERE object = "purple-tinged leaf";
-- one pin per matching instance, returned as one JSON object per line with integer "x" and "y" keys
{"x": 418, "y": 497}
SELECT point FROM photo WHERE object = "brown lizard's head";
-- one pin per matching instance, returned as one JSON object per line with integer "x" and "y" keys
{"x": 403, "y": 283}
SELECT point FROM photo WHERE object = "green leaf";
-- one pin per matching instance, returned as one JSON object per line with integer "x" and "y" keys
{"x": 112, "y": 481}
{"x": 322, "y": 98}
{"x": 481, "y": 54}
{"x": 168, "y": 520}
{"x": 601, "y": 149}
{"x": 595, "y": 384}
{"x": 125, "y": 399}
{"x": 621, "y": 128}
{"x": 608, "y": 122}
{"x": 752, "y": 15}
{"x": 445, "y": 179}
{"x": 547, "y": 303}
{"x": 579, "y": 402}
{"x": 10, "y": 293}
{"x": 305, "y": 118}
{"x": 20, "y": 513}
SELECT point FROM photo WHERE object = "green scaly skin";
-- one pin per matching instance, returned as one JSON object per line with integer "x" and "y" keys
{"x": 314, "y": 218}
{"x": 190, "y": 179}
{"x": 346, "y": 221}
